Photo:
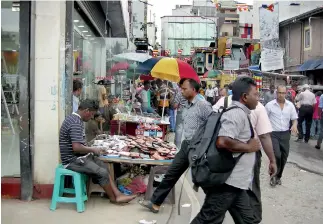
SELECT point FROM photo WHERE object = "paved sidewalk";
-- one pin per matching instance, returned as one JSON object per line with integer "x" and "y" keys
{"x": 98, "y": 210}
{"x": 306, "y": 156}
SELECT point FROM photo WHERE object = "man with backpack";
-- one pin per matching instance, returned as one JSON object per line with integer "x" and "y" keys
{"x": 235, "y": 136}
{"x": 245, "y": 90}
{"x": 263, "y": 129}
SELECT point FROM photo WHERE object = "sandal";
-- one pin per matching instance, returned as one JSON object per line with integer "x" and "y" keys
{"x": 149, "y": 205}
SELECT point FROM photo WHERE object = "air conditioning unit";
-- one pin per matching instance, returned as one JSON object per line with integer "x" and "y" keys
{"x": 200, "y": 70}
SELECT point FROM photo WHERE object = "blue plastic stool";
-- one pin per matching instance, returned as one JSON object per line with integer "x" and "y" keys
{"x": 79, "y": 182}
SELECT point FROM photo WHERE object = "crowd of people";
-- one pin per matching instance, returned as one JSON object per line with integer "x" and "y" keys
{"x": 272, "y": 123}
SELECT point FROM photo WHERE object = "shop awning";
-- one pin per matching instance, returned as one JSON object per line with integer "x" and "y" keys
{"x": 312, "y": 64}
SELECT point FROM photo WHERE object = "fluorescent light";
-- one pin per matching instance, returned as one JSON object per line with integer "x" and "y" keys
{"x": 74, "y": 50}
{"x": 88, "y": 35}
{"x": 81, "y": 26}
{"x": 76, "y": 20}
{"x": 85, "y": 31}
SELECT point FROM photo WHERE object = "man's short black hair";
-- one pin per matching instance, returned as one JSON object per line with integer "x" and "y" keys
{"x": 77, "y": 84}
{"x": 194, "y": 84}
{"x": 91, "y": 105}
{"x": 241, "y": 86}
{"x": 146, "y": 83}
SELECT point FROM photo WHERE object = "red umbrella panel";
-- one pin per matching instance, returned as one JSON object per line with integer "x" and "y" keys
{"x": 119, "y": 66}
{"x": 146, "y": 77}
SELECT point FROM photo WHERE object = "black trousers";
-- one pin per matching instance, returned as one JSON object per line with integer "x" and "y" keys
{"x": 305, "y": 113}
{"x": 280, "y": 140}
{"x": 221, "y": 199}
{"x": 180, "y": 165}
{"x": 254, "y": 196}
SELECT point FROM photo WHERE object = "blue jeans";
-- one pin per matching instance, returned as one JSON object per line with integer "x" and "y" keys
{"x": 147, "y": 110}
{"x": 315, "y": 128}
{"x": 172, "y": 119}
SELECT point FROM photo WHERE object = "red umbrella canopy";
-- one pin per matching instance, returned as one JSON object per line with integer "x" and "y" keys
{"x": 146, "y": 77}
{"x": 119, "y": 66}
{"x": 173, "y": 70}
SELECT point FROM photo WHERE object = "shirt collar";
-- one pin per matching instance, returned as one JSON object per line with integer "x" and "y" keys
{"x": 276, "y": 102}
{"x": 242, "y": 106}
{"x": 76, "y": 114}
{"x": 196, "y": 98}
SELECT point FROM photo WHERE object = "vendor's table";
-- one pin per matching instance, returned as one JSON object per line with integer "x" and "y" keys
{"x": 129, "y": 127}
{"x": 165, "y": 163}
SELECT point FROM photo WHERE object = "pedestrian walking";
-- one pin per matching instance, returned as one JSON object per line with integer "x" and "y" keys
{"x": 195, "y": 114}
{"x": 235, "y": 135}
{"x": 307, "y": 103}
{"x": 209, "y": 94}
{"x": 263, "y": 129}
{"x": 269, "y": 95}
{"x": 280, "y": 112}
{"x": 319, "y": 140}
{"x": 316, "y": 123}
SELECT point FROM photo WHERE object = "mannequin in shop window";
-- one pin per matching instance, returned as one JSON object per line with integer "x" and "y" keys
{"x": 77, "y": 90}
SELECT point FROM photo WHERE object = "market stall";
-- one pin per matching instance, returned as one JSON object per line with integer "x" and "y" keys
{"x": 137, "y": 156}
{"x": 145, "y": 124}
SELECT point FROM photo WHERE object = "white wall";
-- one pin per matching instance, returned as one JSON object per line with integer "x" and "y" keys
{"x": 49, "y": 80}
{"x": 285, "y": 11}
{"x": 138, "y": 18}
{"x": 151, "y": 34}
{"x": 183, "y": 10}
{"x": 246, "y": 16}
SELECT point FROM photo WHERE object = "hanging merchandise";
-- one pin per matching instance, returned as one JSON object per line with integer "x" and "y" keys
{"x": 258, "y": 80}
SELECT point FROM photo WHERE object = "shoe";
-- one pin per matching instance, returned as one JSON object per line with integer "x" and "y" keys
{"x": 318, "y": 147}
{"x": 278, "y": 181}
{"x": 299, "y": 140}
{"x": 149, "y": 205}
{"x": 306, "y": 141}
{"x": 273, "y": 181}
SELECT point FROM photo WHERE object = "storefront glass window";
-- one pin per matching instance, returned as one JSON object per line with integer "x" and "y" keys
{"x": 10, "y": 159}
{"x": 88, "y": 52}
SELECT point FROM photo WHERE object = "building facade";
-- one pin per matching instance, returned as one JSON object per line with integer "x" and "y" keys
{"x": 139, "y": 19}
{"x": 302, "y": 38}
{"x": 186, "y": 29}
{"x": 287, "y": 10}
{"x": 42, "y": 52}
{"x": 151, "y": 33}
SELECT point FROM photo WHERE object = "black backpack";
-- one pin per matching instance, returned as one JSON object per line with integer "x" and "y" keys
{"x": 210, "y": 166}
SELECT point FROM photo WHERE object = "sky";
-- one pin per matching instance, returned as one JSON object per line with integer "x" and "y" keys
{"x": 164, "y": 8}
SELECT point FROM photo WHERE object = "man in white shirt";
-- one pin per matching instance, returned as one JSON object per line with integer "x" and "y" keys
{"x": 280, "y": 112}
{"x": 209, "y": 94}
{"x": 307, "y": 103}
{"x": 262, "y": 127}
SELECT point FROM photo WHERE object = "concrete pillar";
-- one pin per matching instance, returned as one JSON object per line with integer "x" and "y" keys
{"x": 49, "y": 87}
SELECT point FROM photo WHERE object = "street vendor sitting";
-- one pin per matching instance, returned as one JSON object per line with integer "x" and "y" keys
{"x": 76, "y": 156}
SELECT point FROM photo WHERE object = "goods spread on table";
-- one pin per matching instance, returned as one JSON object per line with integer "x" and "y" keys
{"x": 137, "y": 147}
{"x": 134, "y": 178}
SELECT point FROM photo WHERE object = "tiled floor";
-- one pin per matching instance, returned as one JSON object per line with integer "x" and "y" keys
{"x": 10, "y": 159}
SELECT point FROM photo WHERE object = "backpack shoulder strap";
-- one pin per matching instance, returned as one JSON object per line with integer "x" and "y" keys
{"x": 210, "y": 128}
{"x": 226, "y": 101}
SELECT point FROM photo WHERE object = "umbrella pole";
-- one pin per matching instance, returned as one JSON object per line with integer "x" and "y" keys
{"x": 164, "y": 101}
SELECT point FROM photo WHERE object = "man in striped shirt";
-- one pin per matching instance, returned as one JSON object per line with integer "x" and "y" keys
{"x": 76, "y": 156}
